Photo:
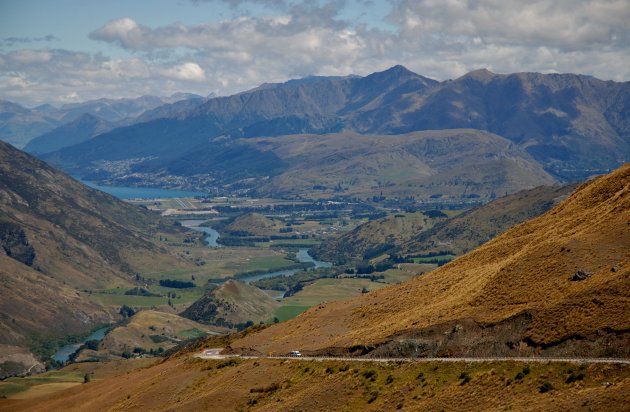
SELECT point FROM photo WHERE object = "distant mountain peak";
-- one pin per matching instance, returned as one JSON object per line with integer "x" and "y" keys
{"x": 398, "y": 70}
{"x": 483, "y": 75}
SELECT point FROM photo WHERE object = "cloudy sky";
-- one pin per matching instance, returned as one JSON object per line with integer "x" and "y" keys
{"x": 75, "y": 50}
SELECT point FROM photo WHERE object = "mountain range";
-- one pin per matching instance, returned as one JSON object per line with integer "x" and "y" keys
{"x": 573, "y": 126}
{"x": 19, "y": 125}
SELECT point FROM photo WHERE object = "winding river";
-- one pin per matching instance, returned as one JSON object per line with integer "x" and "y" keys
{"x": 302, "y": 254}
{"x": 302, "y": 257}
{"x": 64, "y": 353}
{"x": 213, "y": 235}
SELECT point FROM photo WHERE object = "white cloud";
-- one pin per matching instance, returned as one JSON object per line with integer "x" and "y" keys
{"x": 125, "y": 32}
{"x": 564, "y": 24}
{"x": 32, "y": 56}
{"x": 186, "y": 71}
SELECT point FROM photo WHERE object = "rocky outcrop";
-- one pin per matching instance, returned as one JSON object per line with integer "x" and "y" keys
{"x": 15, "y": 244}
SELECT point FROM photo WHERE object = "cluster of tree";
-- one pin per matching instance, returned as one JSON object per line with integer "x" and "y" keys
{"x": 177, "y": 284}
{"x": 126, "y": 311}
{"x": 138, "y": 291}
{"x": 295, "y": 289}
{"x": 377, "y": 250}
{"x": 239, "y": 241}
{"x": 371, "y": 277}
{"x": 433, "y": 254}
{"x": 435, "y": 214}
{"x": 137, "y": 351}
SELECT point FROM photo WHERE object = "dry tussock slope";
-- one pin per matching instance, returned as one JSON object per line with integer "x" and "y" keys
{"x": 188, "y": 384}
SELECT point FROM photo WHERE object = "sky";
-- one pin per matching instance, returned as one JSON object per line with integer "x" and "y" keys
{"x": 66, "y": 51}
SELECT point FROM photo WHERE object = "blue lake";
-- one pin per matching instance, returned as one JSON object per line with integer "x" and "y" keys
{"x": 127, "y": 192}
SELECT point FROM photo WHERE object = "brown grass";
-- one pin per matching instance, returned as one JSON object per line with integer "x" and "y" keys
{"x": 186, "y": 384}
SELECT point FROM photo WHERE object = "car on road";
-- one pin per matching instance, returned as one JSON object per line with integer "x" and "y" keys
{"x": 295, "y": 354}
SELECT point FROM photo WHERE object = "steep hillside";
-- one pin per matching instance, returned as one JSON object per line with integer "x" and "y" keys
{"x": 34, "y": 304}
{"x": 58, "y": 238}
{"x": 77, "y": 234}
{"x": 557, "y": 284}
{"x": 231, "y": 304}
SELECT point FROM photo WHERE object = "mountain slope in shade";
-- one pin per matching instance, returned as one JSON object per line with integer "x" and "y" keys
{"x": 570, "y": 123}
{"x": 59, "y": 237}
{"x": 558, "y": 284}
{"x": 77, "y": 131}
{"x": 159, "y": 137}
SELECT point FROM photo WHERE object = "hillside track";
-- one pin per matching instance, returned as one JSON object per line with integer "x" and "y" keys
{"x": 215, "y": 354}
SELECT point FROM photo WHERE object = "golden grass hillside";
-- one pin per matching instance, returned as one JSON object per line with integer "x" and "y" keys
{"x": 513, "y": 295}
{"x": 188, "y": 384}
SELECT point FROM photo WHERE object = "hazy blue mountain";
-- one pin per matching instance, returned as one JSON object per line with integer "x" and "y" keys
{"x": 19, "y": 125}
{"x": 83, "y": 128}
